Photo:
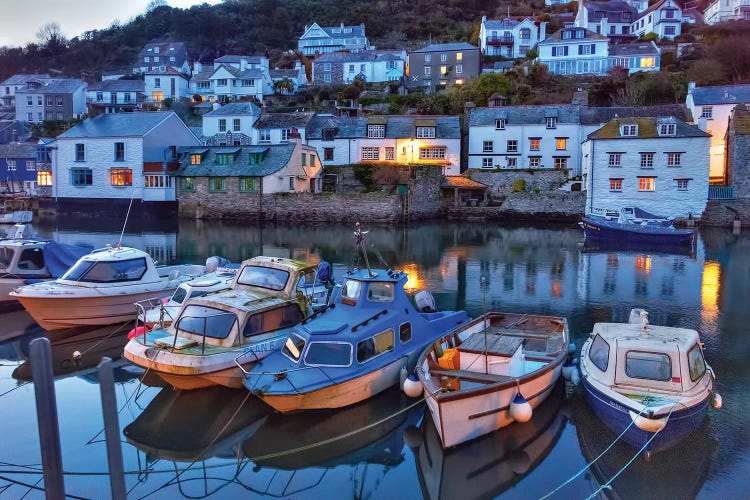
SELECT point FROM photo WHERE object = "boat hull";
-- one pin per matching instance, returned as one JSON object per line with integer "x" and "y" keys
{"x": 617, "y": 417}
{"x": 611, "y": 230}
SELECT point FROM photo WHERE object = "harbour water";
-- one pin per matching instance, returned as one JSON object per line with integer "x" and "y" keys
{"x": 225, "y": 443}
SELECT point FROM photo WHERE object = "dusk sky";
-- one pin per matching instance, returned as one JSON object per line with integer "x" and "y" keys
{"x": 20, "y": 20}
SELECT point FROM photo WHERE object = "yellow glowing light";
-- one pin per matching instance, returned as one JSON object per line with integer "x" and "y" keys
{"x": 414, "y": 282}
{"x": 556, "y": 288}
{"x": 643, "y": 263}
{"x": 710, "y": 290}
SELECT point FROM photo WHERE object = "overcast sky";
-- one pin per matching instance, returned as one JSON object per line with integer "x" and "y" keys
{"x": 21, "y": 19}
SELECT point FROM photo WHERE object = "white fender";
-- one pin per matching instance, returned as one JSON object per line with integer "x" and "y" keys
{"x": 648, "y": 424}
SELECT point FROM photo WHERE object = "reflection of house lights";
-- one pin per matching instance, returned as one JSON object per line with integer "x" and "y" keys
{"x": 413, "y": 282}
{"x": 710, "y": 290}
{"x": 556, "y": 288}
{"x": 643, "y": 263}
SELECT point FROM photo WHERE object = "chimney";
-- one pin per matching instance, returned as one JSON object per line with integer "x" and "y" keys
{"x": 484, "y": 19}
{"x": 243, "y": 64}
{"x": 691, "y": 87}
{"x": 342, "y": 26}
{"x": 702, "y": 124}
{"x": 14, "y": 135}
{"x": 543, "y": 31}
{"x": 294, "y": 136}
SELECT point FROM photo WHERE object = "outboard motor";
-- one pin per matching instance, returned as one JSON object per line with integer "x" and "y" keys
{"x": 214, "y": 263}
{"x": 324, "y": 274}
{"x": 636, "y": 316}
{"x": 425, "y": 302}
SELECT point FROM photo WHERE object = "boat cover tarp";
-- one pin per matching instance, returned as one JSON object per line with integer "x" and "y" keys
{"x": 59, "y": 257}
{"x": 639, "y": 213}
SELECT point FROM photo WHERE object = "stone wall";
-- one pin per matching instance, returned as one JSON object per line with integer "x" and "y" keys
{"x": 552, "y": 206}
{"x": 500, "y": 182}
{"x": 740, "y": 165}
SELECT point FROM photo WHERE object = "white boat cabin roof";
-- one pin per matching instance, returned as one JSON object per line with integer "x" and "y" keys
{"x": 238, "y": 301}
{"x": 656, "y": 338}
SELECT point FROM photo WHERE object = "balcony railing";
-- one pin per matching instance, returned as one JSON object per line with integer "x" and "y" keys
{"x": 500, "y": 40}
{"x": 104, "y": 102}
{"x": 720, "y": 192}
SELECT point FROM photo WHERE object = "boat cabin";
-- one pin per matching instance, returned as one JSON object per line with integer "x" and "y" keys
{"x": 23, "y": 258}
{"x": 274, "y": 276}
{"x": 646, "y": 358}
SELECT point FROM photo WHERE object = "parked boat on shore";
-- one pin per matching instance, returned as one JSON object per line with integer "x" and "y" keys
{"x": 491, "y": 372}
{"x": 649, "y": 382}
{"x": 101, "y": 287}
{"x": 634, "y": 225}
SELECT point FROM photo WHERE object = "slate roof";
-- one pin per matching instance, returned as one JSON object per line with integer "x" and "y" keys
{"x": 23, "y": 78}
{"x": 724, "y": 94}
{"x": 239, "y": 73}
{"x": 177, "y": 49}
{"x": 363, "y": 56}
{"x": 235, "y": 59}
{"x": 656, "y": 6}
{"x": 524, "y": 115}
{"x": 275, "y": 158}
{"x": 169, "y": 71}
{"x": 557, "y": 36}
{"x": 613, "y": 11}
{"x": 202, "y": 76}
{"x": 356, "y": 31}
{"x": 633, "y": 49}
{"x": 601, "y": 114}
{"x": 118, "y": 86}
{"x": 235, "y": 108}
{"x": 647, "y": 129}
{"x": 345, "y": 126}
{"x": 446, "y": 47}
{"x": 284, "y": 73}
{"x": 117, "y": 125}
{"x": 284, "y": 120}
{"x": 494, "y": 24}
{"x": 55, "y": 86}
{"x": 396, "y": 126}
{"x": 18, "y": 150}
{"x": 197, "y": 131}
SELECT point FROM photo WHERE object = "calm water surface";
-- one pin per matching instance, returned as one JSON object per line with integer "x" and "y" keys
{"x": 224, "y": 443}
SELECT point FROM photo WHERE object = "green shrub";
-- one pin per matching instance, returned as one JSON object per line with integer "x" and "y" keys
{"x": 364, "y": 174}
{"x": 518, "y": 186}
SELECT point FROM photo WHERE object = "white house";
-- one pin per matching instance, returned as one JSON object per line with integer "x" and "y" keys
{"x": 116, "y": 95}
{"x": 371, "y": 66}
{"x": 233, "y": 77}
{"x": 230, "y": 124}
{"x": 159, "y": 56}
{"x": 613, "y": 19}
{"x": 663, "y": 18}
{"x": 167, "y": 84}
{"x": 575, "y": 51}
{"x": 727, "y": 10}
{"x": 715, "y": 104}
{"x": 296, "y": 75}
{"x": 55, "y": 99}
{"x": 508, "y": 37}
{"x": 105, "y": 161}
{"x": 8, "y": 87}
{"x": 320, "y": 40}
{"x": 637, "y": 56}
{"x": 397, "y": 139}
{"x": 657, "y": 164}
{"x": 278, "y": 128}
{"x": 524, "y": 137}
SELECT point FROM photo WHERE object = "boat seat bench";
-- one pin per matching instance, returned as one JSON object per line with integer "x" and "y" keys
{"x": 488, "y": 378}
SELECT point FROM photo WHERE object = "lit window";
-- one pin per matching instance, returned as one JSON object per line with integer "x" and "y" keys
{"x": 195, "y": 159}
{"x": 615, "y": 184}
{"x": 459, "y": 82}
{"x": 562, "y": 143}
{"x": 459, "y": 56}
{"x": 121, "y": 177}
{"x": 187, "y": 184}
{"x": 646, "y": 184}
{"x": 534, "y": 143}
{"x": 674, "y": 159}
{"x": 647, "y": 160}
{"x": 443, "y": 70}
{"x": 647, "y": 62}
{"x": 44, "y": 178}
{"x": 487, "y": 147}
{"x": 216, "y": 184}
{"x": 433, "y": 153}
{"x": 249, "y": 184}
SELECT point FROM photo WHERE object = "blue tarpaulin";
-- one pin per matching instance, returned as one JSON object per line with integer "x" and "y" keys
{"x": 59, "y": 256}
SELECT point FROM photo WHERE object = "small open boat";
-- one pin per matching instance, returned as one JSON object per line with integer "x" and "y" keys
{"x": 101, "y": 287}
{"x": 251, "y": 319}
{"x": 634, "y": 225}
{"x": 649, "y": 382}
{"x": 491, "y": 372}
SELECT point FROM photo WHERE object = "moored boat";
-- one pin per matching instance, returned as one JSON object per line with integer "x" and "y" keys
{"x": 491, "y": 372}
{"x": 634, "y": 225}
{"x": 649, "y": 383}
{"x": 101, "y": 287}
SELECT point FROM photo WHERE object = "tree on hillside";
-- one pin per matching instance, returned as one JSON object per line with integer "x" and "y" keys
{"x": 283, "y": 86}
{"x": 51, "y": 37}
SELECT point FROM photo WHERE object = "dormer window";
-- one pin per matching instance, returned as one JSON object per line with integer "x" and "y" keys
{"x": 551, "y": 122}
{"x": 224, "y": 158}
{"x": 195, "y": 158}
{"x": 426, "y": 132}
{"x": 376, "y": 131}
{"x": 500, "y": 124}
{"x": 669, "y": 129}
{"x": 629, "y": 130}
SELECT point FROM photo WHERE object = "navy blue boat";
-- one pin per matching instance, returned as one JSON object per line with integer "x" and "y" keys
{"x": 635, "y": 225}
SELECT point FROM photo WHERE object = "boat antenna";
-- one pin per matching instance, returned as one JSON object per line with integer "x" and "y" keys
{"x": 483, "y": 286}
{"x": 359, "y": 245}
{"x": 122, "y": 233}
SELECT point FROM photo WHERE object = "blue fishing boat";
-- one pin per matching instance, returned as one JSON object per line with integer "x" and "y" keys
{"x": 368, "y": 337}
{"x": 634, "y": 225}
{"x": 649, "y": 383}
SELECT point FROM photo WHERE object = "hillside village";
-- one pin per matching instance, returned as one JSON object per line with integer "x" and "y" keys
{"x": 346, "y": 129}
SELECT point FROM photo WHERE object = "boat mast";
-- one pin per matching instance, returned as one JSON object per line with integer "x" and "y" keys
{"x": 359, "y": 244}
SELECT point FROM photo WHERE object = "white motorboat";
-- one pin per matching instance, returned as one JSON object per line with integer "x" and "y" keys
{"x": 16, "y": 216}
{"x": 101, "y": 287}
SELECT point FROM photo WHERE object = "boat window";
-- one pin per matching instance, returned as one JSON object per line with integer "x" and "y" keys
{"x": 6, "y": 256}
{"x": 648, "y": 365}
{"x": 599, "y": 353}
{"x": 696, "y": 363}
{"x": 107, "y": 272}
{"x": 404, "y": 332}
{"x": 31, "y": 259}
{"x": 380, "y": 292}
{"x": 196, "y": 319}
{"x": 329, "y": 354}
{"x": 263, "y": 277}
{"x": 293, "y": 347}
{"x": 179, "y": 295}
{"x": 350, "y": 292}
{"x": 375, "y": 346}
{"x": 273, "y": 319}
{"x": 307, "y": 278}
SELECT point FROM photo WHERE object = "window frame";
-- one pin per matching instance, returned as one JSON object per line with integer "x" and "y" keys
{"x": 595, "y": 362}
{"x": 126, "y": 174}
{"x": 377, "y": 354}
{"x": 340, "y": 342}
{"x": 661, "y": 354}
{"x": 88, "y": 174}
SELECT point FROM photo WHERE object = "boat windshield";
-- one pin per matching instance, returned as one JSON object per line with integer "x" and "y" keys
{"x": 329, "y": 354}
{"x": 293, "y": 347}
{"x": 179, "y": 295}
{"x": 106, "y": 271}
{"x": 263, "y": 277}
{"x": 696, "y": 363}
{"x": 200, "y": 320}
{"x": 6, "y": 256}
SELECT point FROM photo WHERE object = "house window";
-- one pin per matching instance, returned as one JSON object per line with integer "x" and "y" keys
{"x": 512, "y": 146}
{"x": 291, "y": 184}
{"x": 248, "y": 83}
{"x": 370, "y": 153}
{"x": 304, "y": 159}
{"x": 534, "y": 143}
{"x": 30, "y": 117}
{"x": 30, "y": 100}
{"x": 561, "y": 143}
{"x": 285, "y": 134}
{"x": 99, "y": 97}
{"x": 224, "y": 158}
{"x": 674, "y": 159}
{"x": 667, "y": 129}
{"x": 615, "y": 159}
{"x": 426, "y": 132}
{"x": 187, "y": 184}
{"x": 146, "y": 59}
{"x": 59, "y": 100}
{"x": 443, "y": 57}
{"x": 44, "y": 178}
{"x": 511, "y": 161}
{"x": 487, "y": 147}
{"x": 221, "y": 82}
{"x": 613, "y": 30}
{"x": 119, "y": 151}
{"x": 646, "y": 184}
{"x": 81, "y": 177}
{"x": 157, "y": 83}
{"x": 236, "y": 124}
{"x": 535, "y": 161}
{"x": 121, "y": 177}
{"x": 49, "y": 100}
{"x": 80, "y": 152}
{"x": 559, "y": 51}
{"x": 427, "y": 58}
{"x": 216, "y": 184}
{"x": 669, "y": 30}
{"x": 500, "y": 124}
{"x": 195, "y": 159}
{"x": 459, "y": 56}
{"x": 647, "y": 160}
{"x": 647, "y": 62}
{"x": 376, "y": 131}
{"x": 351, "y": 68}
{"x": 615, "y": 184}
{"x": 390, "y": 153}
{"x": 157, "y": 96}
{"x": 551, "y": 122}
{"x": 487, "y": 163}
{"x": 249, "y": 184}
{"x": 127, "y": 97}
{"x": 265, "y": 135}
{"x": 11, "y": 164}
{"x": 329, "y": 134}
{"x": 629, "y": 130}
{"x": 682, "y": 184}
{"x": 326, "y": 66}
{"x": 157, "y": 181}
{"x": 222, "y": 125}
{"x": 327, "y": 154}
{"x": 561, "y": 162}
{"x": 172, "y": 59}
{"x": 707, "y": 112}
{"x": 432, "y": 153}
{"x": 58, "y": 115}
{"x": 327, "y": 77}
{"x": 427, "y": 71}
{"x": 40, "y": 116}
